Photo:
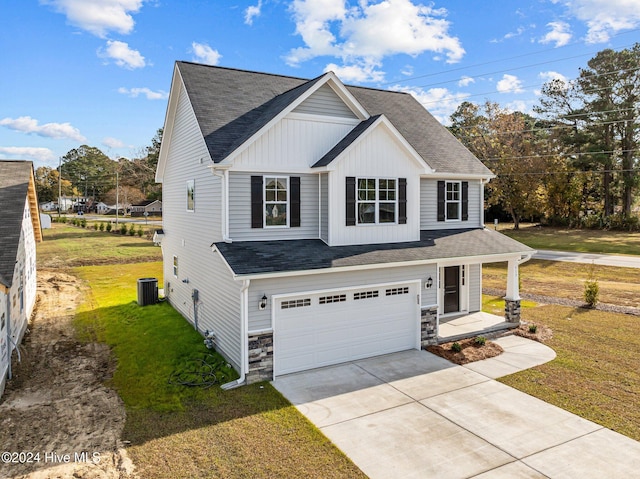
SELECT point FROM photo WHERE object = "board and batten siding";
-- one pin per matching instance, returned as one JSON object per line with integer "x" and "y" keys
{"x": 189, "y": 235}
{"x": 294, "y": 144}
{"x": 377, "y": 155}
{"x": 324, "y": 207}
{"x": 324, "y": 101}
{"x": 240, "y": 210}
{"x": 475, "y": 287}
{"x": 429, "y": 207}
{"x": 261, "y": 320}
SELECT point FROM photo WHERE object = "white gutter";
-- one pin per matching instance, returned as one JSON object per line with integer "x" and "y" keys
{"x": 244, "y": 327}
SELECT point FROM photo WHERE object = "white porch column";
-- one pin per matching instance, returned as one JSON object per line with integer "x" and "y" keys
{"x": 513, "y": 282}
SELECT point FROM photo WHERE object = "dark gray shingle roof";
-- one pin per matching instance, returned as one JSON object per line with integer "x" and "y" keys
{"x": 352, "y": 136}
{"x": 254, "y": 257}
{"x": 14, "y": 185}
{"x": 232, "y": 105}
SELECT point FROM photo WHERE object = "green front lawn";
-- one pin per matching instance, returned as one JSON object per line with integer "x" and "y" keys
{"x": 579, "y": 240}
{"x": 183, "y": 432}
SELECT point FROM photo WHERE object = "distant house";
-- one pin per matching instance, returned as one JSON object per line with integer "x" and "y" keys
{"x": 49, "y": 206}
{"x": 101, "y": 208}
{"x": 152, "y": 207}
{"x": 19, "y": 232}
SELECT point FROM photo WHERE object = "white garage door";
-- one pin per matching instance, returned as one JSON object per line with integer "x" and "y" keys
{"x": 320, "y": 329}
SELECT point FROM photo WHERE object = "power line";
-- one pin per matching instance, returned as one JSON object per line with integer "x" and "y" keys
{"x": 581, "y": 153}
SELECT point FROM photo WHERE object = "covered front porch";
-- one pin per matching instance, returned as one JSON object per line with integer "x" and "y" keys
{"x": 472, "y": 325}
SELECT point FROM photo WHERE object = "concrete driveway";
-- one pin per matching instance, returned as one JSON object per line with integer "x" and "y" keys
{"x": 414, "y": 415}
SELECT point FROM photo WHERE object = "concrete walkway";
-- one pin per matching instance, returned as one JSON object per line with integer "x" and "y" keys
{"x": 588, "y": 258}
{"x": 415, "y": 415}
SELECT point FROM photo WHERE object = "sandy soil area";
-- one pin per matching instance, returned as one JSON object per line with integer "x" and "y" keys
{"x": 56, "y": 410}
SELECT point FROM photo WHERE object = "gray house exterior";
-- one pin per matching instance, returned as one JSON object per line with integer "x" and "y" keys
{"x": 309, "y": 223}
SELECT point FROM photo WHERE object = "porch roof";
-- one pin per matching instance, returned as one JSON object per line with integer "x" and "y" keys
{"x": 258, "y": 257}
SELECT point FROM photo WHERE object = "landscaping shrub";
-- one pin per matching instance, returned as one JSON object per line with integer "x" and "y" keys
{"x": 533, "y": 328}
{"x": 591, "y": 288}
{"x": 480, "y": 341}
{"x": 83, "y": 222}
{"x": 455, "y": 347}
{"x": 132, "y": 230}
{"x": 140, "y": 232}
{"x": 123, "y": 229}
{"x": 101, "y": 226}
{"x": 108, "y": 227}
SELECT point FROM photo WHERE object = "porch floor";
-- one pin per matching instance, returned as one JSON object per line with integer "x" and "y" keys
{"x": 471, "y": 325}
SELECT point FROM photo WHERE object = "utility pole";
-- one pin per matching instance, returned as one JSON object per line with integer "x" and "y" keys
{"x": 117, "y": 195}
{"x": 59, "y": 184}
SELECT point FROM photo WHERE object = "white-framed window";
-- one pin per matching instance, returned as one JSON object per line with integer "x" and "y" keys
{"x": 276, "y": 201}
{"x": 191, "y": 195}
{"x": 376, "y": 200}
{"x": 175, "y": 266}
{"x": 453, "y": 200}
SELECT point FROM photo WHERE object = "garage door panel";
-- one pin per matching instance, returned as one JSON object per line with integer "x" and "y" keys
{"x": 335, "y": 327}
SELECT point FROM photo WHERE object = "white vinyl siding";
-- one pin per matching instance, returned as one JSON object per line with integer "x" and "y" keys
{"x": 293, "y": 145}
{"x": 324, "y": 207}
{"x": 377, "y": 155}
{"x": 429, "y": 207}
{"x": 240, "y": 211}
{"x": 324, "y": 101}
{"x": 189, "y": 237}
{"x": 475, "y": 287}
{"x": 261, "y": 320}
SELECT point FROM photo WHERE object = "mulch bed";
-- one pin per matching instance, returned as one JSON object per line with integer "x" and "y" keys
{"x": 470, "y": 351}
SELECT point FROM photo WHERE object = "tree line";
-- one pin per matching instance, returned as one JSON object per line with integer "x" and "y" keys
{"x": 87, "y": 172}
{"x": 575, "y": 162}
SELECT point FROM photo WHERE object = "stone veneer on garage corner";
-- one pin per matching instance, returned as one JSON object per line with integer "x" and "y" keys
{"x": 428, "y": 327}
{"x": 512, "y": 311}
{"x": 260, "y": 357}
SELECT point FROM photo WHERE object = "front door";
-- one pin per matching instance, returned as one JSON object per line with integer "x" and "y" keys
{"x": 451, "y": 289}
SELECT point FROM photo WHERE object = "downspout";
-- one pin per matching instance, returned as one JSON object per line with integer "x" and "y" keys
{"x": 224, "y": 198}
{"x": 244, "y": 326}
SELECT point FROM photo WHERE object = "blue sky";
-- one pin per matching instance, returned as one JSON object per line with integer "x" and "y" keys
{"x": 98, "y": 72}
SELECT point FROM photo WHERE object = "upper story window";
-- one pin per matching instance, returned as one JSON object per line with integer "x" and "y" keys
{"x": 191, "y": 195}
{"x": 276, "y": 201}
{"x": 453, "y": 200}
{"x": 376, "y": 200}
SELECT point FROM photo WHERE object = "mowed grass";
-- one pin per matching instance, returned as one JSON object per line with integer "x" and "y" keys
{"x": 595, "y": 374}
{"x": 68, "y": 246}
{"x": 620, "y": 286}
{"x": 579, "y": 240}
{"x": 183, "y": 432}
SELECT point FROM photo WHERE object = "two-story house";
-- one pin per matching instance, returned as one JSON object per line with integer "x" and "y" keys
{"x": 19, "y": 232}
{"x": 309, "y": 223}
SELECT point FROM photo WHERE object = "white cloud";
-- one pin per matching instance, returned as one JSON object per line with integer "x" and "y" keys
{"x": 466, "y": 81}
{"x": 519, "y": 105}
{"x": 440, "y": 102}
{"x": 519, "y": 31}
{"x": 551, "y": 75}
{"x": 122, "y": 55}
{"x": 28, "y": 153}
{"x": 366, "y": 33}
{"x": 509, "y": 84}
{"x": 26, "y": 124}
{"x": 560, "y": 34}
{"x": 356, "y": 73}
{"x": 604, "y": 17}
{"x": 150, "y": 94}
{"x": 251, "y": 12}
{"x": 98, "y": 16}
{"x": 203, "y": 53}
{"x": 407, "y": 70}
{"x": 112, "y": 142}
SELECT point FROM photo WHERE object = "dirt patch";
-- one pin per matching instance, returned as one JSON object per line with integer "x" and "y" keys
{"x": 57, "y": 404}
{"x": 469, "y": 352}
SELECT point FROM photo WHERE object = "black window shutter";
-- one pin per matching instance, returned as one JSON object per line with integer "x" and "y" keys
{"x": 440, "y": 200}
{"x": 294, "y": 213}
{"x": 256, "y": 202}
{"x": 465, "y": 200}
{"x": 402, "y": 201}
{"x": 351, "y": 201}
